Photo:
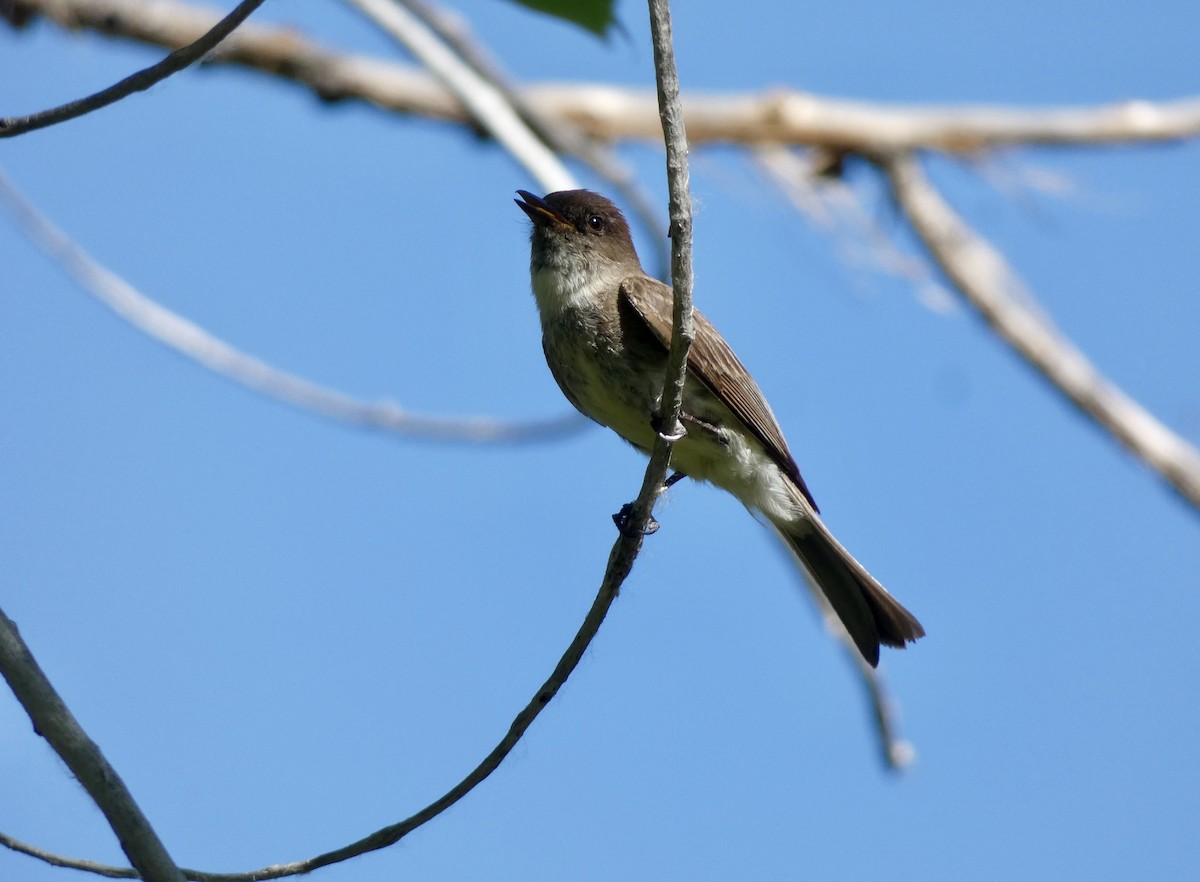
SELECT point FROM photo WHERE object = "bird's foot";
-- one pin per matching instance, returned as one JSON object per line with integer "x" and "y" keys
{"x": 656, "y": 423}
{"x": 621, "y": 519}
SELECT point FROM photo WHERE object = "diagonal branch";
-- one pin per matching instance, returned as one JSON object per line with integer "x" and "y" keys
{"x": 486, "y": 103}
{"x": 138, "y": 82}
{"x": 530, "y": 137}
{"x": 983, "y": 277}
{"x": 192, "y": 341}
{"x": 610, "y": 113}
{"x": 559, "y": 135}
{"x": 53, "y": 720}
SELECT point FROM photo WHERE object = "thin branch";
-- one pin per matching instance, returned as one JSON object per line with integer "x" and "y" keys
{"x": 986, "y": 281}
{"x": 486, "y": 103}
{"x": 619, "y": 565}
{"x": 609, "y": 113}
{"x": 830, "y": 204}
{"x": 197, "y": 344}
{"x": 53, "y": 720}
{"x": 138, "y": 82}
{"x": 896, "y": 752}
{"x": 670, "y": 111}
{"x": 68, "y": 863}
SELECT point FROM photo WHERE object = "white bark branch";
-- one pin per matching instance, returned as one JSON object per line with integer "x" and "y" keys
{"x": 985, "y": 280}
{"x": 558, "y": 134}
{"x": 485, "y": 102}
{"x": 615, "y": 114}
{"x": 197, "y": 344}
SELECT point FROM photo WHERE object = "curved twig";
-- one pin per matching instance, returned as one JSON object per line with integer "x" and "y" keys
{"x": 192, "y": 341}
{"x": 619, "y": 565}
{"x": 138, "y": 82}
{"x": 987, "y": 282}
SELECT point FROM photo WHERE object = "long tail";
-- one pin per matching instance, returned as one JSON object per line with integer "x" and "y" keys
{"x": 868, "y": 612}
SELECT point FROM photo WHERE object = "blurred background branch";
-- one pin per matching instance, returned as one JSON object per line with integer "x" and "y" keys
{"x": 194, "y": 342}
{"x": 462, "y": 89}
{"x": 983, "y": 277}
{"x": 610, "y": 113}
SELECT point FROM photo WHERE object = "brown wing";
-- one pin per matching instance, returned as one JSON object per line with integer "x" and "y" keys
{"x": 711, "y": 361}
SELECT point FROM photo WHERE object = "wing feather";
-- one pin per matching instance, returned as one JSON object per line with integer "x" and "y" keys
{"x": 712, "y": 362}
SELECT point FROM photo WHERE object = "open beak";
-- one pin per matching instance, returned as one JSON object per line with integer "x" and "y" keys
{"x": 539, "y": 212}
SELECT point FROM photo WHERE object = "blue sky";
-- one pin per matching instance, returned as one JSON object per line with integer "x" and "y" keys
{"x": 286, "y": 633}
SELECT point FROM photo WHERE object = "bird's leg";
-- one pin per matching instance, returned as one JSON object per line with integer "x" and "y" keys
{"x": 621, "y": 518}
{"x": 711, "y": 429}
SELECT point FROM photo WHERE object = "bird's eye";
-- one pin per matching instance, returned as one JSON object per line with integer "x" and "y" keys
{"x": 596, "y": 222}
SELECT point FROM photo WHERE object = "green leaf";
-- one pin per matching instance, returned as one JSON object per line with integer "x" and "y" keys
{"x": 595, "y": 15}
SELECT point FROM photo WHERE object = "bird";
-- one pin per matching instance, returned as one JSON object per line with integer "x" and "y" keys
{"x": 606, "y": 332}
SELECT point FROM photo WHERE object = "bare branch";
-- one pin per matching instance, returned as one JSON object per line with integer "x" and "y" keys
{"x": 897, "y": 753}
{"x": 54, "y": 722}
{"x": 619, "y": 566}
{"x": 835, "y": 208}
{"x": 138, "y": 82}
{"x": 983, "y": 277}
{"x": 486, "y": 103}
{"x": 670, "y": 111}
{"x": 557, "y": 133}
{"x": 192, "y": 341}
{"x": 790, "y": 117}
{"x": 68, "y": 863}
{"x": 683, "y": 326}
{"x": 609, "y": 113}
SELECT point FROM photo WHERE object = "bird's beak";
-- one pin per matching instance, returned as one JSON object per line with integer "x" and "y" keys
{"x": 539, "y": 212}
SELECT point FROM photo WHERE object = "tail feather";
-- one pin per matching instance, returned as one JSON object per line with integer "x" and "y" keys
{"x": 870, "y": 615}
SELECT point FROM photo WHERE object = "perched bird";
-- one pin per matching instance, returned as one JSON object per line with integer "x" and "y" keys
{"x": 606, "y": 331}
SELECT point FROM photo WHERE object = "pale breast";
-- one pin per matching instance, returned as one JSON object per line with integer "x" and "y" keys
{"x": 614, "y": 384}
